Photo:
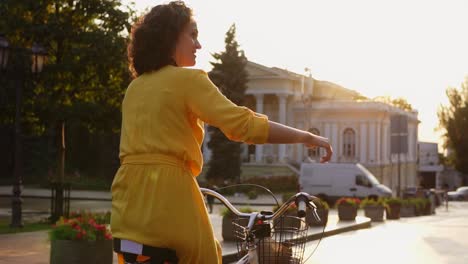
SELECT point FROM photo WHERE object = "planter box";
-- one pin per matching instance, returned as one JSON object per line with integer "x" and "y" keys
{"x": 79, "y": 252}
{"x": 347, "y": 212}
{"x": 323, "y": 214}
{"x": 407, "y": 211}
{"x": 374, "y": 212}
{"x": 393, "y": 211}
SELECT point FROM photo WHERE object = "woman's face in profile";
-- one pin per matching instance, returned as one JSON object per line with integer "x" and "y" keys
{"x": 187, "y": 45}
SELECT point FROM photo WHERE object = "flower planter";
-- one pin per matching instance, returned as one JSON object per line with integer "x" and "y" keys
{"x": 322, "y": 213}
{"x": 374, "y": 212}
{"x": 347, "y": 212}
{"x": 393, "y": 211}
{"x": 407, "y": 211}
{"x": 81, "y": 251}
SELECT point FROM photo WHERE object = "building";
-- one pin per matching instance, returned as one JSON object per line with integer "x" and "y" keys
{"x": 359, "y": 129}
{"x": 429, "y": 170}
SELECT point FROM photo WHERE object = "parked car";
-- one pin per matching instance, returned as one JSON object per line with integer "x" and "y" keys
{"x": 461, "y": 194}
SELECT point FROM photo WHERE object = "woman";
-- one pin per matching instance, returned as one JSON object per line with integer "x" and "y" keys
{"x": 156, "y": 200}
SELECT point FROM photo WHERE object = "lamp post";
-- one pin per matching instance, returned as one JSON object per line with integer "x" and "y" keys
{"x": 38, "y": 56}
{"x": 306, "y": 97}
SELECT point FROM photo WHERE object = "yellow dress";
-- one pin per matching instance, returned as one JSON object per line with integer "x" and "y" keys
{"x": 155, "y": 197}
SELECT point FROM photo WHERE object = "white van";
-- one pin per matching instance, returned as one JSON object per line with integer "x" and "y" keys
{"x": 334, "y": 180}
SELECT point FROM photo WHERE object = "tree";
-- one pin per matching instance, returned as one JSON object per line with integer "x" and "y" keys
{"x": 454, "y": 120}
{"x": 83, "y": 82}
{"x": 399, "y": 102}
{"x": 230, "y": 76}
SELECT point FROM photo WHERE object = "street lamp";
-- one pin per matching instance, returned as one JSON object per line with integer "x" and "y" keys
{"x": 38, "y": 57}
{"x": 306, "y": 97}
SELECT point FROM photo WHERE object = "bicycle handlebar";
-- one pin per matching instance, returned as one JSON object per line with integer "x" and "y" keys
{"x": 301, "y": 200}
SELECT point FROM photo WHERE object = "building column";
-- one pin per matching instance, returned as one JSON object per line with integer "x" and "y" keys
{"x": 372, "y": 143}
{"x": 364, "y": 143}
{"x": 282, "y": 119}
{"x": 378, "y": 155}
{"x": 336, "y": 142}
{"x": 259, "y": 147}
{"x": 385, "y": 142}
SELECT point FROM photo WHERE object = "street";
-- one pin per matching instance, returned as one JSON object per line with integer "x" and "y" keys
{"x": 436, "y": 239}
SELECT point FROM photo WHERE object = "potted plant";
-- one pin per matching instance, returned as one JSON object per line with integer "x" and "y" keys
{"x": 374, "y": 208}
{"x": 322, "y": 210}
{"x": 289, "y": 218}
{"x": 82, "y": 238}
{"x": 408, "y": 208}
{"x": 347, "y": 208}
{"x": 393, "y": 208}
{"x": 421, "y": 205}
{"x": 227, "y": 231}
{"x": 427, "y": 206}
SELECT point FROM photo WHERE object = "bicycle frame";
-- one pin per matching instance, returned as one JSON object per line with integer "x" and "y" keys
{"x": 250, "y": 241}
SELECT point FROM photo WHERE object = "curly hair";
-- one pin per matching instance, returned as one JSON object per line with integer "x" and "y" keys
{"x": 154, "y": 36}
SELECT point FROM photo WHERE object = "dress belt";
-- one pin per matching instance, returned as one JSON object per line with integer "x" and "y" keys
{"x": 153, "y": 159}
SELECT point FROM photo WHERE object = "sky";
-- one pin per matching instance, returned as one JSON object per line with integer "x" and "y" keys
{"x": 413, "y": 49}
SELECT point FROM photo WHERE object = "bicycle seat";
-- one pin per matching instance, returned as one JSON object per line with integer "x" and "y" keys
{"x": 131, "y": 250}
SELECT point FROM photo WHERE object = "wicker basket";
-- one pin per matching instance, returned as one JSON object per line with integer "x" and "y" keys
{"x": 285, "y": 243}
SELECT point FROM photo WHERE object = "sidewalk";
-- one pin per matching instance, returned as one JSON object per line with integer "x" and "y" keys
{"x": 33, "y": 247}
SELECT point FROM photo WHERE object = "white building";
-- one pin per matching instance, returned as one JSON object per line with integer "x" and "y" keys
{"x": 359, "y": 130}
{"x": 429, "y": 171}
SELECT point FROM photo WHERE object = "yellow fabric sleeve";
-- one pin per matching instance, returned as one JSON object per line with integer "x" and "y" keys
{"x": 238, "y": 123}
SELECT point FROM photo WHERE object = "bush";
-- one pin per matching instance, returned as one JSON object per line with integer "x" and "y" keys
{"x": 321, "y": 204}
{"x": 227, "y": 212}
{"x": 82, "y": 226}
{"x": 276, "y": 184}
{"x": 252, "y": 195}
{"x": 348, "y": 201}
{"x": 373, "y": 202}
{"x": 393, "y": 200}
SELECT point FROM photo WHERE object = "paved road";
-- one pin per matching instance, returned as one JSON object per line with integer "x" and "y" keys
{"x": 437, "y": 239}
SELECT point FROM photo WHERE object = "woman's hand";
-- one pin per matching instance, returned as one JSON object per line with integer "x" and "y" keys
{"x": 281, "y": 134}
{"x": 314, "y": 141}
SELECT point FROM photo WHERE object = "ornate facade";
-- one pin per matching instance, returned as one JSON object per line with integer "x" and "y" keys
{"x": 359, "y": 130}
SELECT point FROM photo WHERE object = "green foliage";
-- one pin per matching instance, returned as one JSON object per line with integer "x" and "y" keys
{"x": 230, "y": 76}
{"x": 226, "y": 212}
{"x": 373, "y": 202}
{"x": 82, "y": 226}
{"x": 276, "y": 184}
{"x": 348, "y": 201}
{"x": 393, "y": 200}
{"x": 286, "y": 196}
{"x": 28, "y": 227}
{"x": 400, "y": 102}
{"x": 321, "y": 204}
{"x": 83, "y": 81}
{"x": 453, "y": 119}
{"x": 252, "y": 195}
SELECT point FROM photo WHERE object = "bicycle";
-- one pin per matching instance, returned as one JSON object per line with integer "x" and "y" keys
{"x": 262, "y": 237}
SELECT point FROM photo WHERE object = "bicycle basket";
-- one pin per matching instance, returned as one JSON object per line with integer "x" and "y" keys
{"x": 285, "y": 243}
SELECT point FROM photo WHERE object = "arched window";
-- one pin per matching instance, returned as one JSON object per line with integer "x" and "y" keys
{"x": 349, "y": 143}
{"x": 314, "y": 153}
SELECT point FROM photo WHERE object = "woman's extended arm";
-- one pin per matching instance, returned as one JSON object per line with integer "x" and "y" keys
{"x": 281, "y": 134}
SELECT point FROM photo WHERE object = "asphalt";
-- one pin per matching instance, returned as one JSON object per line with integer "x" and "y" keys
{"x": 33, "y": 247}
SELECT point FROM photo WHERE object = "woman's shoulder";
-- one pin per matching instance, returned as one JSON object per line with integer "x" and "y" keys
{"x": 189, "y": 72}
